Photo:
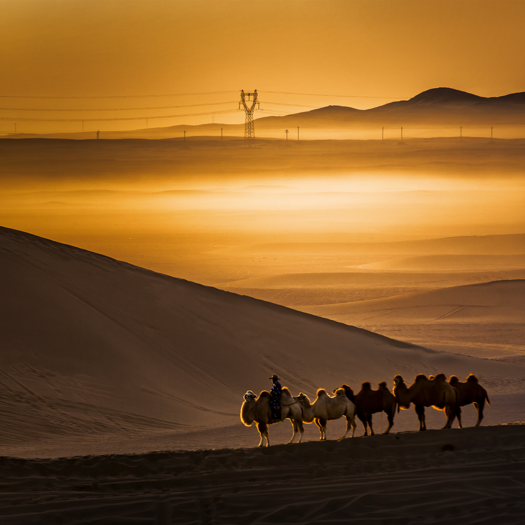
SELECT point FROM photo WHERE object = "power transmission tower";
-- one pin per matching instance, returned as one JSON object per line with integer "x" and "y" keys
{"x": 249, "y": 127}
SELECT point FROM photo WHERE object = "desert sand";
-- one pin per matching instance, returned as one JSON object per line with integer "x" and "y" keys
{"x": 468, "y": 476}
{"x": 131, "y": 366}
{"x": 105, "y": 364}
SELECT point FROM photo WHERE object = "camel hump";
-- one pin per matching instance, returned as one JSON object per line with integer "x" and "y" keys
{"x": 420, "y": 377}
{"x": 440, "y": 377}
{"x": 382, "y": 385}
{"x": 285, "y": 390}
{"x": 454, "y": 380}
{"x": 322, "y": 392}
{"x": 472, "y": 379}
{"x": 366, "y": 386}
{"x": 340, "y": 392}
{"x": 264, "y": 395}
{"x": 347, "y": 389}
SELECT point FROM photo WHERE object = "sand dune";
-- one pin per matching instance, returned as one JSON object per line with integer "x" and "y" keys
{"x": 449, "y": 263}
{"x": 466, "y": 245}
{"x": 496, "y": 301}
{"x": 311, "y": 290}
{"x": 94, "y": 345}
{"x": 482, "y": 319}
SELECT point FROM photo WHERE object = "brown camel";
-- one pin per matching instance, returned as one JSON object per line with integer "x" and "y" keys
{"x": 257, "y": 409}
{"x": 325, "y": 408}
{"x": 369, "y": 401}
{"x": 471, "y": 392}
{"x": 425, "y": 392}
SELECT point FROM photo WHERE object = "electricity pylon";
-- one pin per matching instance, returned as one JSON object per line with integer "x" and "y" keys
{"x": 249, "y": 127}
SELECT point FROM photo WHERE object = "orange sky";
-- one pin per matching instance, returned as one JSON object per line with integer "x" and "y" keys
{"x": 374, "y": 48}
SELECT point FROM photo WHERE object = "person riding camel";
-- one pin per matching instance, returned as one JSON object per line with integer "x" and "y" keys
{"x": 276, "y": 393}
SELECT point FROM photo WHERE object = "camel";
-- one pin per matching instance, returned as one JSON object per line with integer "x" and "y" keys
{"x": 325, "y": 408}
{"x": 471, "y": 392}
{"x": 369, "y": 401}
{"x": 257, "y": 409}
{"x": 424, "y": 392}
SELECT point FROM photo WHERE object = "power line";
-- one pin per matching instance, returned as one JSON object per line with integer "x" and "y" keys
{"x": 276, "y": 112}
{"x": 117, "y": 118}
{"x": 120, "y": 109}
{"x": 195, "y": 94}
{"x": 332, "y": 95}
{"x": 44, "y": 110}
{"x": 123, "y": 96}
{"x": 295, "y": 105}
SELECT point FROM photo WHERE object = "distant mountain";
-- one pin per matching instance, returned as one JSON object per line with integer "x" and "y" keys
{"x": 444, "y": 96}
{"x": 439, "y": 106}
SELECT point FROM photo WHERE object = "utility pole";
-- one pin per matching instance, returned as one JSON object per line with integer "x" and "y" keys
{"x": 249, "y": 128}
{"x": 297, "y": 133}
{"x": 98, "y": 135}
{"x": 184, "y": 135}
{"x": 401, "y": 133}
{"x": 286, "y": 134}
{"x": 15, "y": 127}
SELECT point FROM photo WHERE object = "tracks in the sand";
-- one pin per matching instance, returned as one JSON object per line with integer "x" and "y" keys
{"x": 451, "y": 476}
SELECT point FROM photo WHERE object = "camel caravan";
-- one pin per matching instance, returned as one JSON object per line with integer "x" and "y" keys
{"x": 435, "y": 391}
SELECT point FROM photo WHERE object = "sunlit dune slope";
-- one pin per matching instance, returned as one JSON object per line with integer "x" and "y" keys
{"x": 503, "y": 301}
{"x": 481, "y": 319}
{"x": 449, "y": 263}
{"x": 91, "y": 344}
{"x": 464, "y": 245}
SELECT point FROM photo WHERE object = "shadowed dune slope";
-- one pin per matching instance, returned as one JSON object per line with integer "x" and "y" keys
{"x": 93, "y": 345}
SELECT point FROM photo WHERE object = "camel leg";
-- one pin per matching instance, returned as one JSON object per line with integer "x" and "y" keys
{"x": 263, "y": 431}
{"x": 297, "y": 427}
{"x": 369, "y": 419}
{"x": 365, "y": 423}
{"x": 294, "y": 428}
{"x": 450, "y": 412}
{"x": 480, "y": 405}
{"x": 350, "y": 424}
{"x": 420, "y": 411}
{"x": 390, "y": 417}
{"x": 300, "y": 426}
{"x": 321, "y": 423}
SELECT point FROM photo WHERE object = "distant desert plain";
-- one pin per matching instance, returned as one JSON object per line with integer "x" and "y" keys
{"x": 148, "y": 284}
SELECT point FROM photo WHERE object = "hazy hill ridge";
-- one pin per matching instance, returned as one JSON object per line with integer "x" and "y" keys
{"x": 434, "y": 107}
{"x": 443, "y": 106}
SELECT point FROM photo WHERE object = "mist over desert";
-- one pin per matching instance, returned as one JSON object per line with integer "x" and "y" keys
{"x": 262, "y": 263}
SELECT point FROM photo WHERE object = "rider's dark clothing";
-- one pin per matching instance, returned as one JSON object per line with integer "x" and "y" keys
{"x": 275, "y": 402}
